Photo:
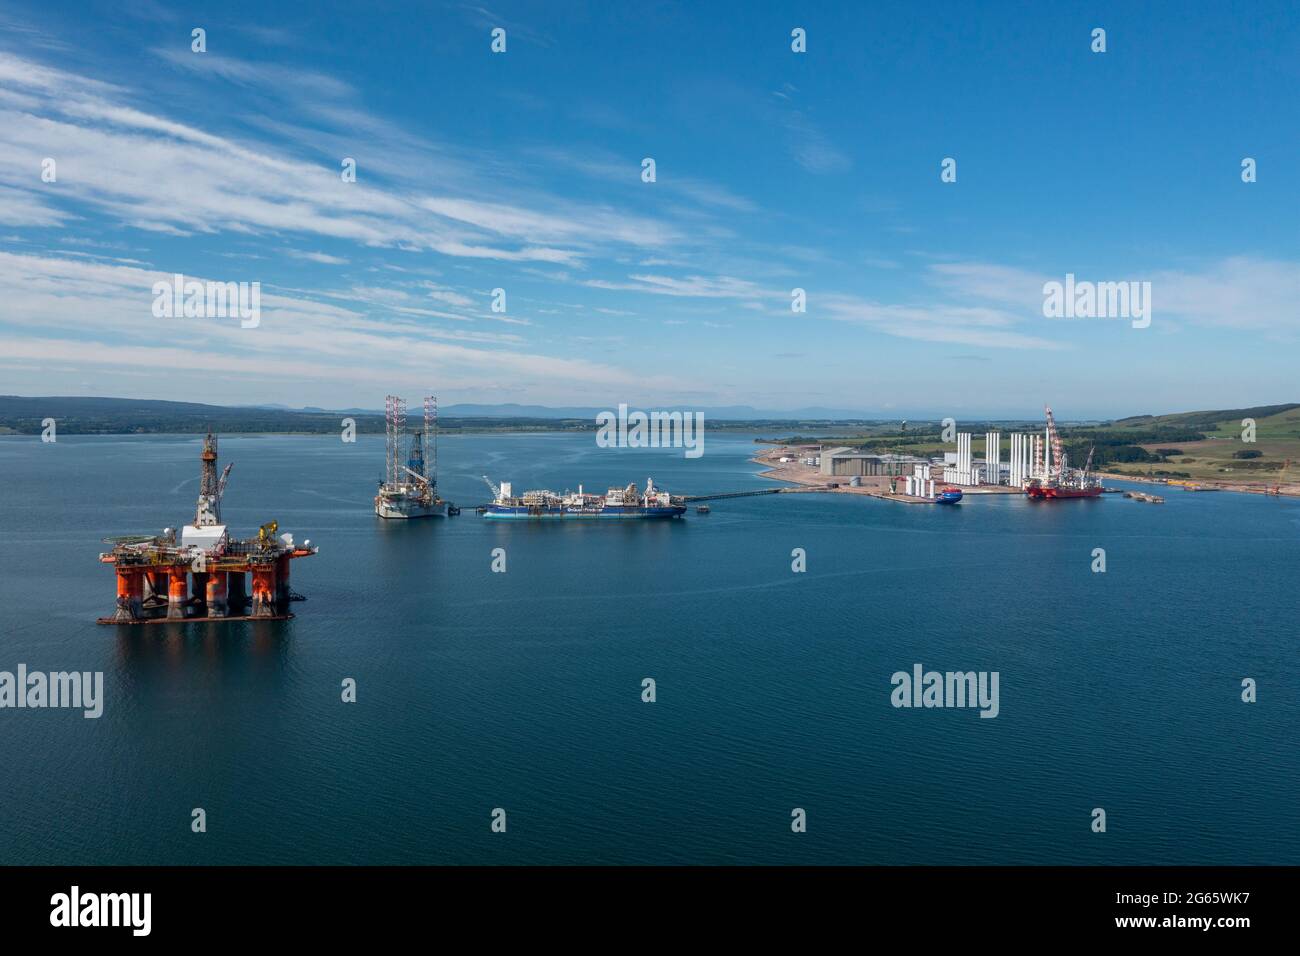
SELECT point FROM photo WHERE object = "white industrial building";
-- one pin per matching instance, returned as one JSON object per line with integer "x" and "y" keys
{"x": 842, "y": 462}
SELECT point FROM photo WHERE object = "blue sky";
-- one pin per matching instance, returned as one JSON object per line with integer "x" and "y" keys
{"x": 775, "y": 170}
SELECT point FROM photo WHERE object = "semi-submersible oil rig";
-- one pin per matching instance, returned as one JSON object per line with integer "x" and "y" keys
{"x": 201, "y": 576}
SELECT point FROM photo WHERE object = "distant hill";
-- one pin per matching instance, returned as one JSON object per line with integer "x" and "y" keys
{"x": 94, "y": 415}
{"x": 90, "y": 416}
{"x": 1207, "y": 419}
{"x": 729, "y": 413}
{"x": 1208, "y": 445}
{"x": 119, "y": 416}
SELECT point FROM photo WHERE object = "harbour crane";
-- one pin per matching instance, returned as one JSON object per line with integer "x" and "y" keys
{"x": 1087, "y": 467}
{"x": 496, "y": 492}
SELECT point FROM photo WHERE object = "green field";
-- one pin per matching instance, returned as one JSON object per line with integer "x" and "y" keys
{"x": 1277, "y": 439}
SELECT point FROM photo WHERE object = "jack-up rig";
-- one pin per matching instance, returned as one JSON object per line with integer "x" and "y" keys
{"x": 201, "y": 576}
{"x": 410, "y": 485}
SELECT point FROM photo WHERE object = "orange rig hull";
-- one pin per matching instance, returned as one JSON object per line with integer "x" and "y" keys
{"x": 153, "y": 587}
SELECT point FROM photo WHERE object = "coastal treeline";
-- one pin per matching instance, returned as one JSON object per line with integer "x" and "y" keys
{"x": 110, "y": 416}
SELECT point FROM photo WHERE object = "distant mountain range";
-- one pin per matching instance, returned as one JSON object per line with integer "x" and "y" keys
{"x": 111, "y": 416}
{"x": 75, "y": 415}
{"x": 730, "y": 413}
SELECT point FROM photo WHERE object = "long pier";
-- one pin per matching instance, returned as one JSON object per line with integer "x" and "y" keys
{"x": 761, "y": 491}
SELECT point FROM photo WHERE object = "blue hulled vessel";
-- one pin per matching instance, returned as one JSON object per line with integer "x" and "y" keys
{"x": 615, "y": 504}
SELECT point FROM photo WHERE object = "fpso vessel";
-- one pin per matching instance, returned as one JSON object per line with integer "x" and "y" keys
{"x": 615, "y": 504}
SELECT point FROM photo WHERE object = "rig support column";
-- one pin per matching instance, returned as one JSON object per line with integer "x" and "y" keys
{"x": 264, "y": 588}
{"x": 199, "y": 591}
{"x": 177, "y": 592}
{"x": 216, "y": 588}
{"x": 236, "y": 593}
{"x": 130, "y": 594}
{"x": 282, "y": 584}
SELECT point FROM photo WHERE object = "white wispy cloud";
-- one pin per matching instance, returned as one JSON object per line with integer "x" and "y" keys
{"x": 258, "y": 75}
{"x": 610, "y": 167}
{"x": 1237, "y": 292}
{"x": 24, "y": 208}
{"x": 808, "y": 144}
{"x": 449, "y": 296}
{"x": 588, "y": 224}
{"x": 99, "y": 314}
{"x": 321, "y": 257}
{"x": 695, "y": 286}
{"x": 967, "y": 325}
{"x": 161, "y": 175}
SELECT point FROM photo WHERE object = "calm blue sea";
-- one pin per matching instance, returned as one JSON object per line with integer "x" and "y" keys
{"x": 522, "y": 690}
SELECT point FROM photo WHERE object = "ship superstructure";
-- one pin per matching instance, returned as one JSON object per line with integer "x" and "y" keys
{"x": 410, "y": 485}
{"x": 616, "y": 503}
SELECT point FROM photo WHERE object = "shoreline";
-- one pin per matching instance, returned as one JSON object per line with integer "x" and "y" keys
{"x": 872, "y": 486}
{"x": 1285, "y": 489}
{"x": 877, "y": 486}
